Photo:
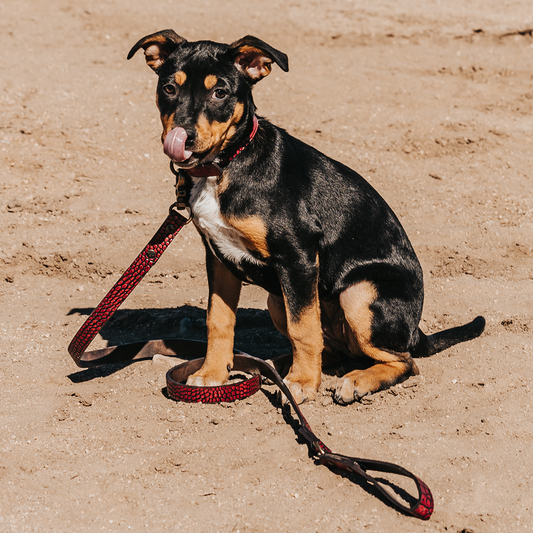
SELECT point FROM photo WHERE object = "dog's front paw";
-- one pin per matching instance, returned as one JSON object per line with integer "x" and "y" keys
{"x": 300, "y": 392}
{"x": 205, "y": 379}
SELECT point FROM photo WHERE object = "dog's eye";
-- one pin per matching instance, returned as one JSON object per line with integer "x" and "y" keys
{"x": 169, "y": 89}
{"x": 219, "y": 94}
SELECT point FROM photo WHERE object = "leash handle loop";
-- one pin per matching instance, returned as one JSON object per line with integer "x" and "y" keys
{"x": 423, "y": 506}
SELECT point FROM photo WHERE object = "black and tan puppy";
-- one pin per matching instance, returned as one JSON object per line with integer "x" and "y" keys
{"x": 339, "y": 269}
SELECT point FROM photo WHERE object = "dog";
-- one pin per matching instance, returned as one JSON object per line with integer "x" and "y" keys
{"x": 341, "y": 275}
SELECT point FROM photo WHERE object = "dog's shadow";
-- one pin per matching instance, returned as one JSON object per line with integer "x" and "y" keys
{"x": 254, "y": 332}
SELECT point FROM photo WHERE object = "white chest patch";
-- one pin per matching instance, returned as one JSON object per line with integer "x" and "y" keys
{"x": 205, "y": 207}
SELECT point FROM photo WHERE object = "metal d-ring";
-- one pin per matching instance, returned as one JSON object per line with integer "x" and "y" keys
{"x": 173, "y": 169}
{"x": 175, "y": 207}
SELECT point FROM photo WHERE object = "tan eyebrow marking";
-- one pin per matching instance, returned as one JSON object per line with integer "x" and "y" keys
{"x": 180, "y": 77}
{"x": 210, "y": 81}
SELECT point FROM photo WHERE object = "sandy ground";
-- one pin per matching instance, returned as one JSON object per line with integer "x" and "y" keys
{"x": 431, "y": 101}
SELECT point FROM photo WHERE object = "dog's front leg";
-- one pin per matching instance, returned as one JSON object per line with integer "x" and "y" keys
{"x": 300, "y": 294}
{"x": 224, "y": 291}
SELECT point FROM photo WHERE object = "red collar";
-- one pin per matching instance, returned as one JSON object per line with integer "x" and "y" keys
{"x": 216, "y": 169}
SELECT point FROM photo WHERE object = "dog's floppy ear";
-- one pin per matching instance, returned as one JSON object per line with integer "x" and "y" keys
{"x": 254, "y": 58}
{"x": 157, "y": 47}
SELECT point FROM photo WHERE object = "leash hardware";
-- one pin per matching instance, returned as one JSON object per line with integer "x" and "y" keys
{"x": 173, "y": 169}
{"x": 182, "y": 188}
{"x": 312, "y": 439}
{"x": 176, "y": 207}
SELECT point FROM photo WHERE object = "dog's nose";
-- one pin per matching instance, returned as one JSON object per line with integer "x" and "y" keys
{"x": 191, "y": 136}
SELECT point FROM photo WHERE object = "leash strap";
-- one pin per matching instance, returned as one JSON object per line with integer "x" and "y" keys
{"x": 125, "y": 285}
{"x": 176, "y": 377}
{"x": 177, "y": 389}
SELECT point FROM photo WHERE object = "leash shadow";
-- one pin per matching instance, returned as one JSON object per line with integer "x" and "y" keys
{"x": 397, "y": 492}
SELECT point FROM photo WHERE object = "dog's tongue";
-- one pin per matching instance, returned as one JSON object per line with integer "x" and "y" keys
{"x": 174, "y": 145}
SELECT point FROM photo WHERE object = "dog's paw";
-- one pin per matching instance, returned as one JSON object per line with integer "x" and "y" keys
{"x": 359, "y": 383}
{"x": 202, "y": 380}
{"x": 300, "y": 393}
{"x": 350, "y": 389}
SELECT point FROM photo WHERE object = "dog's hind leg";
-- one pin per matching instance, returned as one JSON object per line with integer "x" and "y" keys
{"x": 391, "y": 366}
{"x": 276, "y": 308}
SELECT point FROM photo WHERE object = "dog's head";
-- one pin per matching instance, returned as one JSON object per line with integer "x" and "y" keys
{"x": 204, "y": 90}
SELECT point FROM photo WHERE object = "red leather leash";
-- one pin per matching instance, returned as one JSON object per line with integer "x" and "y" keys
{"x": 176, "y": 377}
{"x": 125, "y": 285}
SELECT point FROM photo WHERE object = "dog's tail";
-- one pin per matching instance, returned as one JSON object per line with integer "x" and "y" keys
{"x": 432, "y": 344}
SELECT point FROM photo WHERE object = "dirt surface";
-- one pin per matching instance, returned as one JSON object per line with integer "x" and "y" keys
{"x": 431, "y": 101}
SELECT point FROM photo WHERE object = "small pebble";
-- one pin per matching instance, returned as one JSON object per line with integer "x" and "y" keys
{"x": 159, "y": 359}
